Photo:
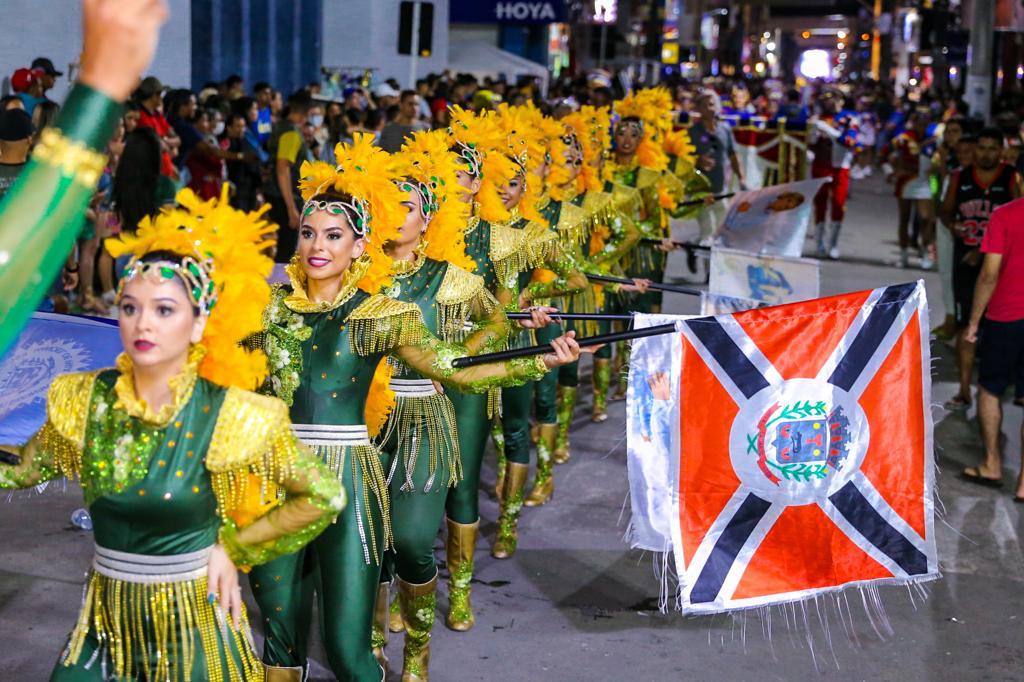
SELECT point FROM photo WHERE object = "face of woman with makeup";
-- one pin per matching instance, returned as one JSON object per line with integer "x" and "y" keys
{"x": 468, "y": 182}
{"x": 327, "y": 245}
{"x": 414, "y": 226}
{"x": 157, "y": 322}
{"x": 627, "y": 138}
{"x": 573, "y": 163}
{"x": 512, "y": 192}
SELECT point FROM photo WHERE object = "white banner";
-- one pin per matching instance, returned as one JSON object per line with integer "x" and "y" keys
{"x": 652, "y": 438}
{"x": 772, "y": 220}
{"x": 769, "y": 279}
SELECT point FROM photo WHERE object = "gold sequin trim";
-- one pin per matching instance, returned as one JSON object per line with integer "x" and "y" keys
{"x": 74, "y": 159}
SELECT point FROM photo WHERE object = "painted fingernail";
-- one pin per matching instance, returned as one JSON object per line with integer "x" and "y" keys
{"x": 210, "y": 598}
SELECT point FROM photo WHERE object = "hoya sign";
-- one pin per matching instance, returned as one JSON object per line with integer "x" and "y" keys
{"x": 507, "y": 11}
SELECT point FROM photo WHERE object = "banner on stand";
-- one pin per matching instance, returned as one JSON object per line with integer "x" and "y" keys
{"x": 769, "y": 279}
{"x": 787, "y": 452}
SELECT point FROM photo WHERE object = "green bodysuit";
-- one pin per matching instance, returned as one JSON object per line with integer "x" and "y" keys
{"x": 215, "y": 465}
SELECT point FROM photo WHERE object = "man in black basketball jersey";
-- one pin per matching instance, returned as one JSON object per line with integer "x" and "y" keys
{"x": 974, "y": 191}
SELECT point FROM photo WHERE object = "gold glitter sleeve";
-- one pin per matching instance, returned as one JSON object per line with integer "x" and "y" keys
{"x": 273, "y": 495}
{"x": 568, "y": 279}
{"x": 56, "y": 449}
{"x": 433, "y": 358}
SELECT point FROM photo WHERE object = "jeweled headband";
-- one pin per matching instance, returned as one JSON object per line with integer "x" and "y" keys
{"x": 428, "y": 196}
{"x": 638, "y": 124}
{"x": 357, "y": 212}
{"x": 195, "y": 274}
{"x": 470, "y": 155}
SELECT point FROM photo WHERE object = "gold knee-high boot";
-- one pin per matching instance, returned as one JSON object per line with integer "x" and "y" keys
{"x": 544, "y": 482}
{"x": 395, "y": 623}
{"x": 418, "y": 602}
{"x": 620, "y": 370}
{"x": 602, "y": 380}
{"x": 459, "y": 555}
{"x": 566, "y": 404}
{"x": 277, "y": 674}
{"x": 379, "y": 636}
{"x": 511, "y": 504}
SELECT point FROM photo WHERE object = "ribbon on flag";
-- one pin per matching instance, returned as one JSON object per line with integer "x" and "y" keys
{"x": 799, "y": 451}
{"x": 49, "y": 345}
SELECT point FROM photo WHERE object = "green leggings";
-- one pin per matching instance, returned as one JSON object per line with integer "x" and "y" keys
{"x": 648, "y": 263}
{"x": 335, "y": 566}
{"x": 463, "y": 504}
{"x": 416, "y": 515}
{"x": 517, "y": 400}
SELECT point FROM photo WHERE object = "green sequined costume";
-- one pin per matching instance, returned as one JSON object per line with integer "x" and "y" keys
{"x": 323, "y": 358}
{"x": 421, "y": 436}
{"x": 215, "y": 465}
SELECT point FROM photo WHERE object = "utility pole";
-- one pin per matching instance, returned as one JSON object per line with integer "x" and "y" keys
{"x": 978, "y": 91}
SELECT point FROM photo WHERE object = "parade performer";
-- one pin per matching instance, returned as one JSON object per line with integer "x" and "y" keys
{"x": 639, "y": 161}
{"x": 585, "y": 213}
{"x": 833, "y": 139}
{"x": 528, "y": 138}
{"x": 420, "y": 436}
{"x": 43, "y": 212}
{"x": 907, "y": 164}
{"x": 187, "y": 474}
{"x": 498, "y": 252}
{"x": 326, "y": 333}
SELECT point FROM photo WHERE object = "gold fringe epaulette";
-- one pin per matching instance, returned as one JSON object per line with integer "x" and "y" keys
{"x": 460, "y": 295}
{"x": 626, "y": 200}
{"x": 647, "y": 178}
{"x": 541, "y": 244}
{"x": 671, "y": 183}
{"x": 576, "y": 223}
{"x": 509, "y": 253}
{"x": 252, "y": 446}
{"x": 67, "y": 416}
{"x": 381, "y": 324}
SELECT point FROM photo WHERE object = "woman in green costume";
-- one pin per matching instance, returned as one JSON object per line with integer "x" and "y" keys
{"x": 325, "y": 335}
{"x": 420, "y": 435}
{"x": 186, "y": 474}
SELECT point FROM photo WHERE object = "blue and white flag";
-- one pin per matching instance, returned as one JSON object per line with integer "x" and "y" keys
{"x": 49, "y": 345}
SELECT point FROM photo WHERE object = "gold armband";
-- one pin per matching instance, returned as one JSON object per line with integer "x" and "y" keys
{"x": 82, "y": 164}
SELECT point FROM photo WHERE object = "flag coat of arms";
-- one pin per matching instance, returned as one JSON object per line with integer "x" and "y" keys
{"x": 805, "y": 452}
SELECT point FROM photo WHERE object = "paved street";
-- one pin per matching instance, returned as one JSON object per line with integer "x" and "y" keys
{"x": 575, "y": 603}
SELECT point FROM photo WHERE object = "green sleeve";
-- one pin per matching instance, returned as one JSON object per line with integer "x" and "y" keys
{"x": 42, "y": 214}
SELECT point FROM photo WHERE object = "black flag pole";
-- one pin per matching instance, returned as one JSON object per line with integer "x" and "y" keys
{"x": 547, "y": 348}
{"x": 654, "y": 285}
{"x": 689, "y": 246}
{"x": 600, "y": 317}
{"x": 696, "y": 202}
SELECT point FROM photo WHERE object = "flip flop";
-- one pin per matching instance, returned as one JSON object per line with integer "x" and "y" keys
{"x": 957, "y": 402}
{"x": 978, "y": 479}
{"x": 1018, "y": 499}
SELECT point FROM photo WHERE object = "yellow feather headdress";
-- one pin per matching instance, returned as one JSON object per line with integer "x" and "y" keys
{"x": 364, "y": 172}
{"x": 481, "y": 134}
{"x": 426, "y": 160}
{"x": 644, "y": 106}
{"x": 230, "y": 247}
{"x": 526, "y": 144}
{"x": 593, "y": 129}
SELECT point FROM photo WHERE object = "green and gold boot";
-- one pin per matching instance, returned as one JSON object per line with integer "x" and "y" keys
{"x": 566, "y": 405}
{"x": 277, "y": 674}
{"x": 620, "y": 370}
{"x": 379, "y": 633}
{"x": 459, "y": 555}
{"x": 544, "y": 482}
{"x": 418, "y": 605}
{"x": 395, "y": 623}
{"x": 602, "y": 380}
{"x": 511, "y": 505}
